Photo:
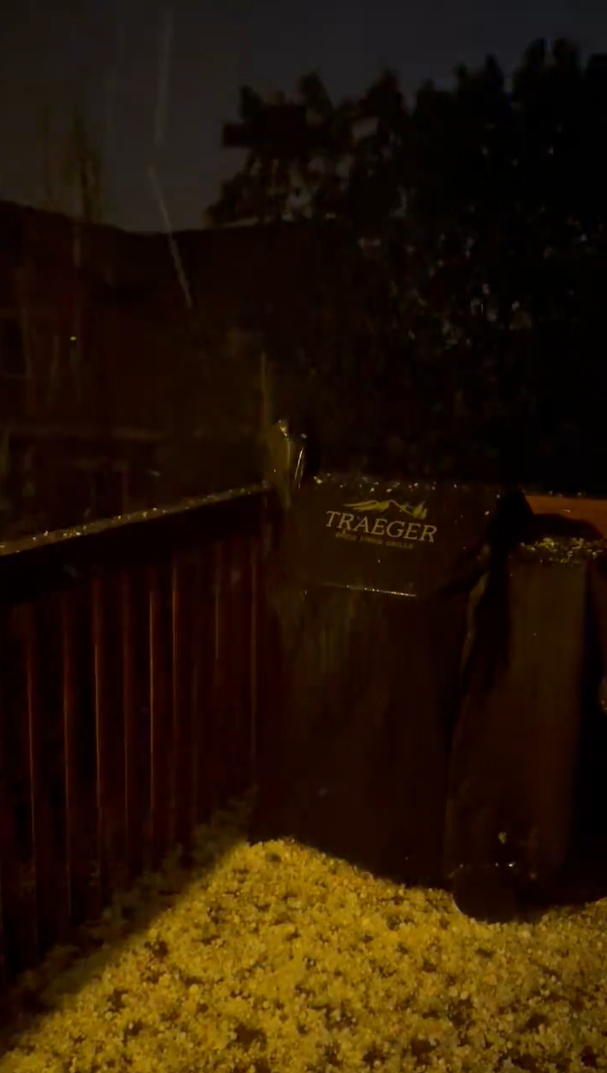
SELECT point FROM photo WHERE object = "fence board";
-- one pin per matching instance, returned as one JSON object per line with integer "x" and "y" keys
{"x": 19, "y": 874}
{"x": 80, "y": 716}
{"x": 160, "y": 701}
{"x": 133, "y": 811}
{"x": 219, "y": 700}
{"x": 182, "y": 711}
{"x": 48, "y": 761}
{"x": 238, "y": 671}
{"x": 108, "y": 626}
{"x": 138, "y": 766}
{"x": 203, "y": 689}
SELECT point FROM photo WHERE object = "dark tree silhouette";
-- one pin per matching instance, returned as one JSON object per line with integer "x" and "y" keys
{"x": 476, "y": 330}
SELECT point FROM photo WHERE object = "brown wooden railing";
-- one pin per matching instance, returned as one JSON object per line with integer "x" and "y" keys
{"x": 128, "y": 697}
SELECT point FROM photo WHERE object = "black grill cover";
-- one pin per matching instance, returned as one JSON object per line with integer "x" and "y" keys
{"x": 369, "y": 612}
{"x": 515, "y": 764}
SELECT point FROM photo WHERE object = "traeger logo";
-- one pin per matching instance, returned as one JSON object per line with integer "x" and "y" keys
{"x": 356, "y": 522}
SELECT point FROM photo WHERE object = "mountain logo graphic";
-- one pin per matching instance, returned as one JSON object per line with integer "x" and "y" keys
{"x": 381, "y": 506}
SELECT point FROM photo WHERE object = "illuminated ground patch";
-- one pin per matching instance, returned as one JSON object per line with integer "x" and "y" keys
{"x": 282, "y": 960}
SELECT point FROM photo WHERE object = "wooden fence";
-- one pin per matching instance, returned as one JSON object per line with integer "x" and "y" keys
{"x": 127, "y": 704}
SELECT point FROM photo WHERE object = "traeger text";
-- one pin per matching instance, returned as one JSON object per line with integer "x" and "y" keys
{"x": 379, "y": 527}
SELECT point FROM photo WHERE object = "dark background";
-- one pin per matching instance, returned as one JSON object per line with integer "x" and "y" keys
{"x": 107, "y": 56}
{"x": 435, "y": 309}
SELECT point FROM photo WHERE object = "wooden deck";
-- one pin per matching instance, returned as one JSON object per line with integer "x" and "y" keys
{"x": 587, "y": 510}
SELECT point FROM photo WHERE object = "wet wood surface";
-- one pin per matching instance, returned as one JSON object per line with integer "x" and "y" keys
{"x": 593, "y": 511}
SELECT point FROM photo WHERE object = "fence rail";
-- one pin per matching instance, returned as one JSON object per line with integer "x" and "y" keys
{"x": 128, "y": 692}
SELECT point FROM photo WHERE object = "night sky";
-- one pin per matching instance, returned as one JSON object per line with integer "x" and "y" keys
{"x": 108, "y": 52}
